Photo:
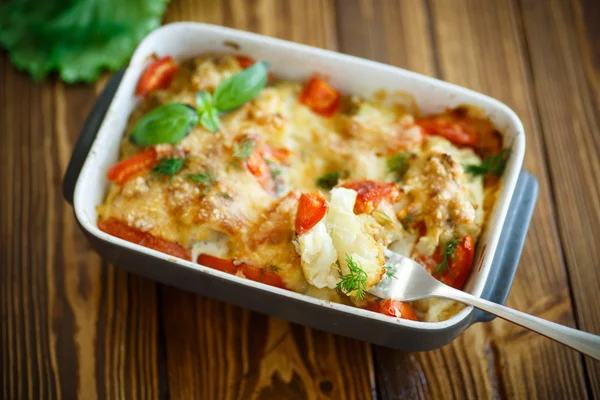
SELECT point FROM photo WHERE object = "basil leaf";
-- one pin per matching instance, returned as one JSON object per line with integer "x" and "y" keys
{"x": 203, "y": 101}
{"x": 241, "y": 88}
{"x": 209, "y": 119}
{"x": 166, "y": 124}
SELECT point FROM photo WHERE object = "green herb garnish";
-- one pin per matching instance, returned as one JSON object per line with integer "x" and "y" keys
{"x": 169, "y": 167}
{"x": 356, "y": 280}
{"x": 172, "y": 122}
{"x": 398, "y": 164}
{"x": 492, "y": 165}
{"x": 204, "y": 179}
{"x": 449, "y": 254}
{"x": 273, "y": 268}
{"x": 405, "y": 221}
{"x": 329, "y": 180}
{"x": 243, "y": 148}
{"x": 390, "y": 271}
{"x": 166, "y": 124}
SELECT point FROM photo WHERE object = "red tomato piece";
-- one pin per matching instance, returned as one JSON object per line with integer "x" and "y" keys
{"x": 459, "y": 267}
{"x": 263, "y": 275}
{"x": 245, "y": 61}
{"x": 121, "y": 230}
{"x": 394, "y": 308}
{"x": 311, "y": 209}
{"x": 280, "y": 154}
{"x": 320, "y": 97}
{"x": 258, "y": 167}
{"x": 126, "y": 169}
{"x": 158, "y": 75}
{"x": 371, "y": 193}
{"x": 458, "y": 131}
{"x": 217, "y": 263}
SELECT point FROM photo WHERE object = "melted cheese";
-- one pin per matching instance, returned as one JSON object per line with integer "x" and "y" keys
{"x": 238, "y": 219}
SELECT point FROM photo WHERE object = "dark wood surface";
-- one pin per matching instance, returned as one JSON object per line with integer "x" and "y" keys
{"x": 72, "y": 326}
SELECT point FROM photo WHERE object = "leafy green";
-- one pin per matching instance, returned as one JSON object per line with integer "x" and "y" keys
{"x": 172, "y": 122}
{"x": 169, "y": 166}
{"x": 449, "y": 254}
{"x": 77, "y": 38}
{"x": 329, "y": 180}
{"x": 398, "y": 164}
{"x": 244, "y": 148}
{"x": 204, "y": 179}
{"x": 492, "y": 165}
{"x": 241, "y": 87}
{"x": 355, "y": 280}
{"x": 390, "y": 272}
{"x": 165, "y": 124}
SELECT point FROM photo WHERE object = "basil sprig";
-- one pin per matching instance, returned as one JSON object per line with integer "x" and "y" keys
{"x": 166, "y": 124}
{"x": 172, "y": 122}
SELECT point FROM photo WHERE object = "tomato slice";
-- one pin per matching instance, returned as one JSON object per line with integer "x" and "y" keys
{"x": 264, "y": 275}
{"x": 311, "y": 209}
{"x": 459, "y": 267}
{"x": 158, "y": 75}
{"x": 371, "y": 193}
{"x": 245, "y": 61}
{"x": 258, "y": 167}
{"x": 280, "y": 154}
{"x": 394, "y": 308}
{"x": 126, "y": 169}
{"x": 217, "y": 263}
{"x": 320, "y": 97}
{"x": 121, "y": 230}
{"x": 456, "y": 130}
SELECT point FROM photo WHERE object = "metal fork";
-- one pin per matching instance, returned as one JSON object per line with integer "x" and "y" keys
{"x": 413, "y": 282}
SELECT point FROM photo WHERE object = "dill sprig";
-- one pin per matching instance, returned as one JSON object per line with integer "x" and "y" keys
{"x": 243, "y": 148}
{"x": 398, "y": 164}
{"x": 169, "y": 166}
{"x": 390, "y": 271}
{"x": 356, "y": 280}
{"x": 492, "y": 165}
{"x": 449, "y": 254}
{"x": 329, "y": 180}
{"x": 205, "y": 179}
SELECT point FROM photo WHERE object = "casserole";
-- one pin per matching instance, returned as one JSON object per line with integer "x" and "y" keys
{"x": 297, "y": 62}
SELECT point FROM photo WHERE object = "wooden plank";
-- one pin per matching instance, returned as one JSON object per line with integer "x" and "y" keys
{"x": 215, "y": 350}
{"x": 478, "y": 44}
{"x": 69, "y": 324}
{"x": 563, "y": 41}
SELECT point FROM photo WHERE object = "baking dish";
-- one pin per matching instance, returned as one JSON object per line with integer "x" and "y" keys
{"x": 497, "y": 252}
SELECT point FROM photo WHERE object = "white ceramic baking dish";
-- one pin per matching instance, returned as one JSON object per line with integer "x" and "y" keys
{"x": 85, "y": 184}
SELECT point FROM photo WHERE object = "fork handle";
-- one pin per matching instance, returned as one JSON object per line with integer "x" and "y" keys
{"x": 581, "y": 341}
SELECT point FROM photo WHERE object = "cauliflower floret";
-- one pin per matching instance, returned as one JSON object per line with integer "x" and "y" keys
{"x": 318, "y": 257}
{"x": 351, "y": 239}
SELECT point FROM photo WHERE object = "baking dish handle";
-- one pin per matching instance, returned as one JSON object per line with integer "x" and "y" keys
{"x": 88, "y": 134}
{"x": 510, "y": 245}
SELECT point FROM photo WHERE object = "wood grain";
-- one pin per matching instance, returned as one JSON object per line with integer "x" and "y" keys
{"x": 566, "y": 65}
{"x": 71, "y": 327}
{"x": 217, "y": 351}
{"x": 477, "y": 44}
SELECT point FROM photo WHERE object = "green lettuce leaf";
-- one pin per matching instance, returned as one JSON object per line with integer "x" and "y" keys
{"x": 77, "y": 38}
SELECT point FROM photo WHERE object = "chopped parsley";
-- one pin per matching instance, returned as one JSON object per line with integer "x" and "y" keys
{"x": 243, "y": 148}
{"x": 205, "y": 179}
{"x": 492, "y": 165}
{"x": 169, "y": 166}
{"x": 329, "y": 180}
{"x": 356, "y": 280}
{"x": 398, "y": 164}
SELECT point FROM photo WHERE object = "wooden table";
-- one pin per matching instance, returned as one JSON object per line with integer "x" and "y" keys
{"x": 72, "y": 325}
